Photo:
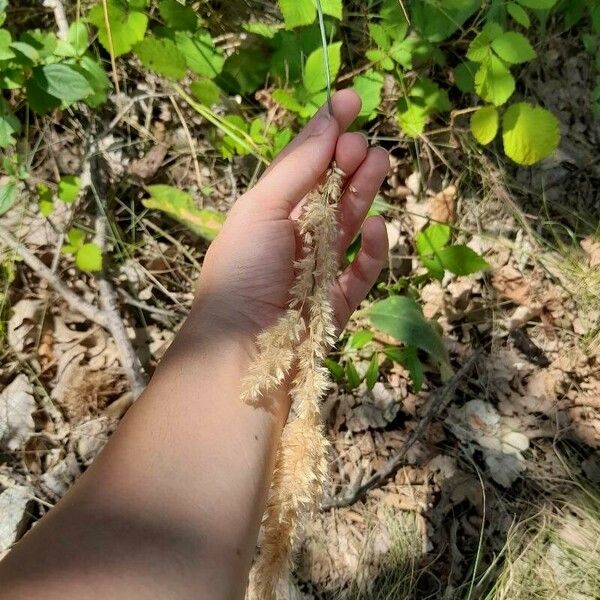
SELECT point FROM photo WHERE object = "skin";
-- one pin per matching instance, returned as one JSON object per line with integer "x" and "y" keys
{"x": 171, "y": 507}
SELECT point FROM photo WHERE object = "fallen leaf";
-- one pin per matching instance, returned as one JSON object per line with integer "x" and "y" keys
{"x": 512, "y": 285}
{"x": 21, "y": 324}
{"x": 14, "y": 515}
{"x": 17, "y": 406}
{"x": 442, "y": 206}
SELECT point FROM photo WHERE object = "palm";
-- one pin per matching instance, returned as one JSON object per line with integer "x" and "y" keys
{"x": 258, "y": 243}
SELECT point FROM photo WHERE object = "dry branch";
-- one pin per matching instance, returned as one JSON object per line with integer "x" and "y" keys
{"x": 440, "y": 400}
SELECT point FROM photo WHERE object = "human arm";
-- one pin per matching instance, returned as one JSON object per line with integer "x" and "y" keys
{"x": 172, "y": 506}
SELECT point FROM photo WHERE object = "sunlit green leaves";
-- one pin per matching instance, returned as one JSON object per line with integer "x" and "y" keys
{"x": 519, "y": 14}
{"x": 402, "y": 318}
{"x": 297, "y": 13}
{"x": 368, "y": 86}
{"x": 10, "y": 126}
{"x": 424, "y": 99}
{"x": 530, "y": 133}
{"x": 162, "y": 56}
{"x": 513, "y": 47}
{"x": 437, "y": 256}
{"x": 8, "y": 195}
{"x": 68, "y": 188}
{"x": 314, "y": 78}
{"x": 200, "y": 53}
{"x": 181, "y": 206}
{"x": 484, "y": 124}
{"x": 127, "y": 26}
{"x": 62, "y": 81}
{"x": 493, "y": 81}
{"x": 88, "y": 256}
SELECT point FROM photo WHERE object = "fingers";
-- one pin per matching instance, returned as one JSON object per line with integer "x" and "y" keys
{"x": 304, "y": 161}
{"x": 360, "y": 276}
{"x": 350, "y": 152}
{"x": 346, "y": 105}
{"x": 359, "y": 194}
{"x": 297, "y": 173}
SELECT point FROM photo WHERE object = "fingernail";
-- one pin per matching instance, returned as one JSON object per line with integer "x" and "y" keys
{"x": 321, "y": 124}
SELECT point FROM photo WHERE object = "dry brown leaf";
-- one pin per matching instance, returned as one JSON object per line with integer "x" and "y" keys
{"x": 591, "y": 247}
{"x": 442, "y": 207}
{"x": 21, "y": 330}
{"x": 512, "y": 285}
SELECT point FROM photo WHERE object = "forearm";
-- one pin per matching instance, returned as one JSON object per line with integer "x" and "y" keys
{"x": 171, "y": 507}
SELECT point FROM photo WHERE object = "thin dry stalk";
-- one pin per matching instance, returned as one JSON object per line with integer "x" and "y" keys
{"x": 299, "y": 340}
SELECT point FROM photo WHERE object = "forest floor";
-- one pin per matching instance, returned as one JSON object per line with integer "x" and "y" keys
{"x": 497, "y": 497}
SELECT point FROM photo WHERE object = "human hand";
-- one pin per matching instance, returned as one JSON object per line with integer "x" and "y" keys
{"x": 249, "y": 269}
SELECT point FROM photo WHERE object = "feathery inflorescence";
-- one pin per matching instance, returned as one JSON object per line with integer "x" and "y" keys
{"x": 299, "y": 340}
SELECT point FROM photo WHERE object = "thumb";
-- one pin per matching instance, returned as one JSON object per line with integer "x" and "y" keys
{"x": 292, "y": 178}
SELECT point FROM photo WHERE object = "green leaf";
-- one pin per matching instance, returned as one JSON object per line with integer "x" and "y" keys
{"x": 424, "y": 99}
{"x": 484, "y": 124}
{"x": 78, "y": 37}
{"x": 402, "y": 318}
{"x": 333, "y": 8}
{"x": 68, "y": 188}
{"x": 205, "y": 222}
{"x": 177, "y": 16}
{"x": 8, "y": 196}
{"x": 245, "y": 71}
{"x": 380, "y": 36}
{"x": 89, "y": 258}
{"x": 409, "y": 359}
{"x": 200, "y": 53}
{"x": 352, "y": 376}
{"x": 519, "y": 14}
{"x": 530, "y": 133}
{"x": 162, "y": 56}
{"x": 297, "y": 12}
{"x": 45, "y": 201}
{"x": 63, "y": 82}
{"x": 76, "y": 237}
{"x": 6, "y": 53}
{"x": 513, "y": 47}
{"x": 493, "y": 81}
{"x": 438, "y": 20}
{"x": 360, "y": 339}
{"x": 368, "y": 86}
{"x": 206, "y": 91}
{"x": 372, "y": 373}
{"x": 461, "y": 260}
{"x": 266, "y": 30}
{"x": 538, "y": 4}
{"x": 432, "y": 239}
{"x": 39, "y": 100}
{"x": 314, "y": 77}
{"x": 127, "y": 26}
{"x": 336, "y": 370}
{"x": 479, "y": 48}
{"x": 9, "y": 125}
{"x": 464, "y": 76}
{"x": 98, "y": 80}
{"x": 26, "y": 55}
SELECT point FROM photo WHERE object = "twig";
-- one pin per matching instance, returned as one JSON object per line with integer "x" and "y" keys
{"x": 130, "y": 362}
{"x": 89, "y": 311}
{"x": 59, "y": 17}
{"x": 440, "y": 399}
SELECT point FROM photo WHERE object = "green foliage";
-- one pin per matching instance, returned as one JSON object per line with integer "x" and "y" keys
{"x": 484, "y": 124}
{"x": 68, "y": 188}
{"x": 437, "y": 256}
{"x": 530, "y": 133}
{"x": 402, "y": 318}
{"x": 181, "y": 206}
{"x": 88, "y": 256}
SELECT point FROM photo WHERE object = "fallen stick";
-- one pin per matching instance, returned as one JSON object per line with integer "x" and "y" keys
{"x": 440, "y": 400}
